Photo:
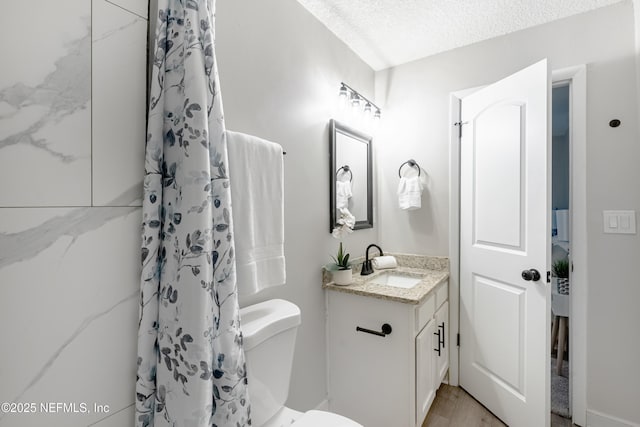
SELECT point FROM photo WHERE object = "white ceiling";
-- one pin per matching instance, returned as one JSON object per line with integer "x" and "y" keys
{"x": 385, "y": 33}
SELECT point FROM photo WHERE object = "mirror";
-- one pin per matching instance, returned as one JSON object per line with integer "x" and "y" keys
{"x": 350, "y": 175}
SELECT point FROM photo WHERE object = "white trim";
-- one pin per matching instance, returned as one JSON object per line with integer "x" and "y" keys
{"x": 454, "y": 232}
{"x": 454, "y": 239}
{"x": 577, "y": 76}
{"x": 598, "y": 419}
{"x": 636, "y": 15}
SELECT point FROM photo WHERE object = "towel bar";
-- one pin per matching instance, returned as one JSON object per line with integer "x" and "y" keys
{"x": 385, "y": 330}
{"x": 411, "y": 163}
{"x": 346, "y": 169}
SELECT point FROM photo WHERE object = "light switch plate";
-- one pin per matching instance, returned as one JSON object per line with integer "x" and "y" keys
{"x": 619, "y": 222}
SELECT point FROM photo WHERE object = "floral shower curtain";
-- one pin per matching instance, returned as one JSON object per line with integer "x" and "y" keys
{"x": 191, "y": 366}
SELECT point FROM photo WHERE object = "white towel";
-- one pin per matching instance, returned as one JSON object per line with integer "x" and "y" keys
{"x": 257, "y": 198}
{"x": 382, "y": 262}
{"x": 410, "y": 193}
{"x": 343, "y": 194}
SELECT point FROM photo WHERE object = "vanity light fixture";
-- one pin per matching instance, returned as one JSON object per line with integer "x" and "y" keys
{"x": 356, "y": 99}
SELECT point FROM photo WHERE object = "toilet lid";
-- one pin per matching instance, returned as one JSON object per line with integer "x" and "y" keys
{"x": 324, "y": 419}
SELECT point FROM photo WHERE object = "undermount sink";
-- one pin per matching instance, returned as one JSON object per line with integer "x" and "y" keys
{"x": 394, "y": 279}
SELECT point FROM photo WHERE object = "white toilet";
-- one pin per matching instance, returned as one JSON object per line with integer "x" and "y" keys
{"x": 269, "y": 329}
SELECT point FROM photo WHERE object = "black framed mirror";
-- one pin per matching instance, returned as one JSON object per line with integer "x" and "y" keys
{"x": 350, "y": 175}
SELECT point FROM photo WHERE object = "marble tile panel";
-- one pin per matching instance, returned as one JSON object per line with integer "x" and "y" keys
{"x": 118, "y": 101}
{"x": 139, "y": 7}
{"x": 69, "y": 281}
{"x": 124, "y": 417}
{"x": 45, "y": 111}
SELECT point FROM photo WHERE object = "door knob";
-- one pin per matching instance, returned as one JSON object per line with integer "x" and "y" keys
{"x": 531, "y": 274}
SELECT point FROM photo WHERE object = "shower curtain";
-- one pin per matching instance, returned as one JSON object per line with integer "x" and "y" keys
{"x": 191, "y": 366}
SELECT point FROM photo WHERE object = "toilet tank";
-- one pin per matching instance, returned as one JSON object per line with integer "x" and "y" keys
{"x": 269, "y": 332}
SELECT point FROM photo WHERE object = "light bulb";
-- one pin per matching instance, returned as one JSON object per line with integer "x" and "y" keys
{"x": 376, "y": 116}
{"x": 367, "y": 109}
{"x": 343, "y": 93}
{"x": 355, "y": 101}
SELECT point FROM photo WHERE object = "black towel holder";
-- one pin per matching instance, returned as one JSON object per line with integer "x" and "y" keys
{"x": 346, "y": 169}
{"x": 411, "y": 163}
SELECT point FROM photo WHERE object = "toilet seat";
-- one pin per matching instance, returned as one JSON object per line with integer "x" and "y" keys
{"x": 324, "y": 419}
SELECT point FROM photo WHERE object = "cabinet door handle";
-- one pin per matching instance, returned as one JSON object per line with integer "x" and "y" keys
{"x": 439, "y": 341}
{"x": 442, "y": 337}
{"x": 386, "y": 330}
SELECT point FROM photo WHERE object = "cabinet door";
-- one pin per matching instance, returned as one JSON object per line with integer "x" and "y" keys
{"x": 442, "y": 326}
{"x": 371, "y": 379}
{"x": 425, "y": 371}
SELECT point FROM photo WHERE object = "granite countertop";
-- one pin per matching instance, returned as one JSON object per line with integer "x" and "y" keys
{"x": 432, "y": 270}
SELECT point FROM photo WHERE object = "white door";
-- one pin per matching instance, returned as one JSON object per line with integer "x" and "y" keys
{"x": 504, "y": 233}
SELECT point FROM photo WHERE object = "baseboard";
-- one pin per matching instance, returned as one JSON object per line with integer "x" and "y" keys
{"x": 598, "y": 419}
{"x": 324, "y": 406}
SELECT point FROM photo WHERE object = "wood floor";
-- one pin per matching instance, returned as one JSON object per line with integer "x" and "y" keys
{"x": 454, "y": 407}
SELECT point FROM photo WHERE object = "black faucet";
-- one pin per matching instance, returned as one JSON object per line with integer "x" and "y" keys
{"x": 367, "y": 268}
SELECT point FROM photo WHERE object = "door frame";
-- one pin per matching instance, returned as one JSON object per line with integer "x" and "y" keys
{"x": 577, "y": 78}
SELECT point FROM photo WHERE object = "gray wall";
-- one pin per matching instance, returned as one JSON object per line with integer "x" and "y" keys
{"x": 560, "y": 148}
{"x": 280, "y": 71}
{"x": 416, "y": 101}
{"x": 560, "y": 171}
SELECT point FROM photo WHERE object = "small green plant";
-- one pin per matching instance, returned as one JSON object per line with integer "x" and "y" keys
{"x": 561, "y": 268}
{"x": 342, "y": 259}
{"x": 343, "y": 227}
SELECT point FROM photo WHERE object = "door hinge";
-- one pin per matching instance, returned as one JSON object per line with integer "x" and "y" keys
{"x": 459, "y": 124}
{"x": 458, "y": 340}
{"x": 548, "y": 277}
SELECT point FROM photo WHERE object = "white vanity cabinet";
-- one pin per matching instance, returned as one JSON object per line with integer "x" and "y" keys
{"x": 425, "y": 371}
{"x": 442, "y": 338}
{"x": 383, "y": 380}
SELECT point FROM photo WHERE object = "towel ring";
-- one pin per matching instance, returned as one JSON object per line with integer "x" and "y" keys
{"x": 411, "y": 163}
{"x": 346, "y": 169}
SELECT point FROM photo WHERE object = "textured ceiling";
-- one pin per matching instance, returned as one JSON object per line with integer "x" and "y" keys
{"x": 385, "y": 33}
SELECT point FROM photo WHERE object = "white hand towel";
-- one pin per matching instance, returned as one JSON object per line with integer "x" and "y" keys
{"x": 343, "y": 194}
{"x": 382, "y": 262}
{"x": 410, "y": 193}
{"x": 257, "y": 198}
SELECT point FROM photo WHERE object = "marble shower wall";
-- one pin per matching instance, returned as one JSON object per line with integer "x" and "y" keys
{"x": 72, "y": 129}
{"x": 45, "y": 105}
{"x": 118, "y": 74}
